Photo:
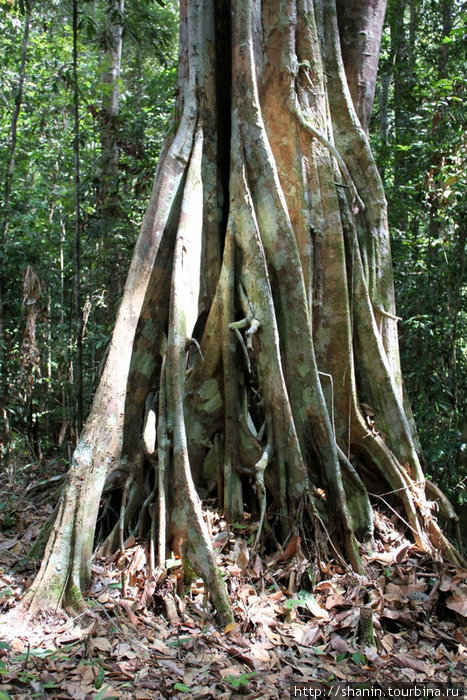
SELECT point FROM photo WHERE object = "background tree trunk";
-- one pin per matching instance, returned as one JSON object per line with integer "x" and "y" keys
{"x": 77, "y": 307}
{"x": 258, "y": 321}
{"x": 109, "y": 212}
{"x": 360, "y": 27}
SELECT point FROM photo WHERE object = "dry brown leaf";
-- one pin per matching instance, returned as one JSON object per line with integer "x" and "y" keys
{"x": 75, "y": 691}
{"x": 102, "y": 643}
{"x": 336, "y": 671}
{"x": 220, "y": 540}
{"x": 231, "y": 627}
{"x": 335, "y": 600}
{"x": 391, "y": 614}
{"x": 230, "y": 671}
{"x": 388, "y": 642}
{"x": 291, "y": 549}
{"x": 458, "y": 601}
{"x": 272, "y": 636}
{"x": 340, "y": 645}
{"x": 409, "y": 661}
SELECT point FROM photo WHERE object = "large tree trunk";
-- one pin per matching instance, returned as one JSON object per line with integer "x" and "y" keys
{"x": 258, "y": 322}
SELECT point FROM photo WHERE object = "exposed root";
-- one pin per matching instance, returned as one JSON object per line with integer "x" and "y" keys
{"x": 255, "y": 275}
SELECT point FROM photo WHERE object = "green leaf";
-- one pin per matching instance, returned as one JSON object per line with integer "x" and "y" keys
{"x": 179, "y": 642}
{"x": 101, "y": 695}
{"x": 237, "y": 681}
{"x": 318, "y": 650}
{"x": 358, "y": 658}
{"x": 182, "y": 688}
{"x": 99, "y": 679}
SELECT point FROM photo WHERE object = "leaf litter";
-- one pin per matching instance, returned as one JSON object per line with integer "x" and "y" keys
{"x": 296, "y": 620}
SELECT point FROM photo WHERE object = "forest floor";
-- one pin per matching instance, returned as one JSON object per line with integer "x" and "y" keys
{"x": 298, "y": 630}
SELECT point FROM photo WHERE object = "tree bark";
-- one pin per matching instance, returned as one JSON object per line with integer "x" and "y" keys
{"x": 77, "y": 312}
{"x": 360, "y": 27}
{"x": 109, "y": 198}
{"x": 259, "y": 309}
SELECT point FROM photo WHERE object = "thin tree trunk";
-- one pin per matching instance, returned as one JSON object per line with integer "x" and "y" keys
{"x": 360, "y": 27}
{"x": 109, "y": 211}
{"x": 77, "y": 312}
{"x": 434, "y": 226}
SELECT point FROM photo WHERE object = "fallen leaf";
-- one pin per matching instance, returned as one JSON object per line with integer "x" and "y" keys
{"x": 75, "y": 691}
{"x": 102, "y": 643}
{"x": 291, "y": 549}
{"x": 458, "y": 601}
{"x": 408, "y": 661}
{"x": 340, "y": 645}
{"x": 336, "y": 672}
{"x": 220, "y": 540}
{"x": 231, "y": 627}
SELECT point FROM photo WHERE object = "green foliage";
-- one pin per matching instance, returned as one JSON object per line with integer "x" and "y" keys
{"x": 358, "y": 658}
{"x": 41, "y": 212}
{"x": 240, "y": 681}
{"x": 418, "y": 134}
{"x": 182, "y": 688}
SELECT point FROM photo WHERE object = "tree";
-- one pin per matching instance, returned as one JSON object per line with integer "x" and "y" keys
{"x": 109, "y": 177}
{"x": 257, "y": 326}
